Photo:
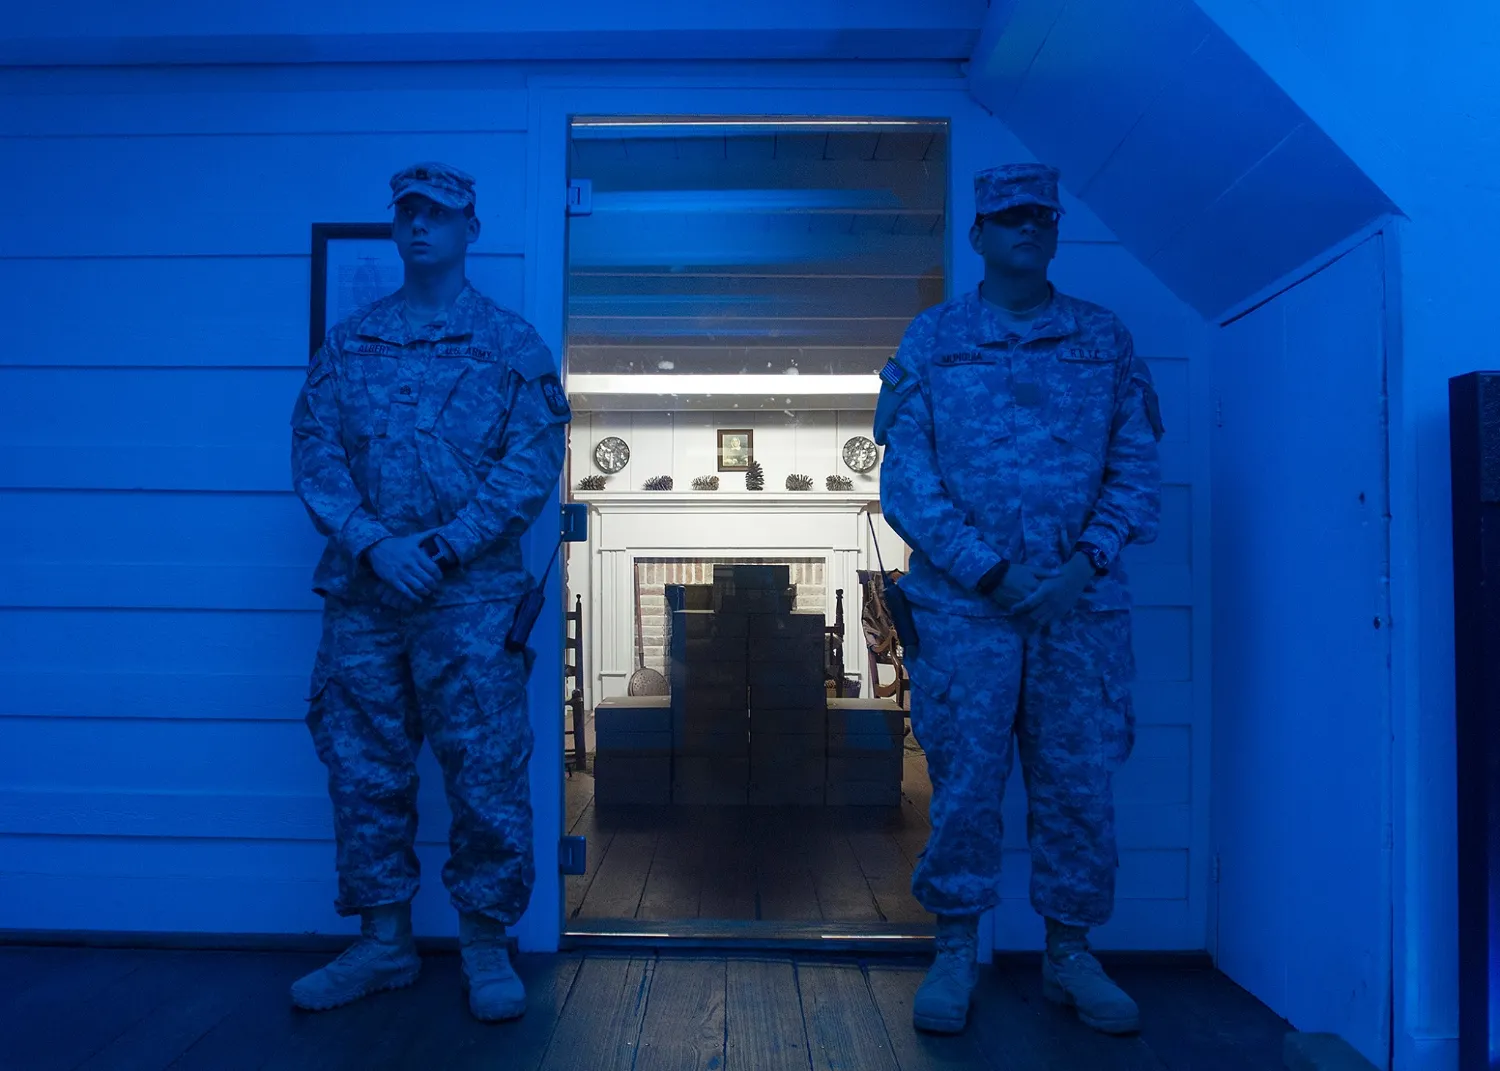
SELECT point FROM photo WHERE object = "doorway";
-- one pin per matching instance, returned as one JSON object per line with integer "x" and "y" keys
{"x": 743, "y": 767}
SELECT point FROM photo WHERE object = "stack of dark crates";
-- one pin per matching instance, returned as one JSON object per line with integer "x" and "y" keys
{"x": 748, "y": 695}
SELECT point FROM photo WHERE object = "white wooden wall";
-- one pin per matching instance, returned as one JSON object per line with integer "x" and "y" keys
{"x": 157, "y": 628}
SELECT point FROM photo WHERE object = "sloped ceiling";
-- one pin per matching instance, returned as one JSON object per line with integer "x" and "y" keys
{"x": 1200, "y": 164}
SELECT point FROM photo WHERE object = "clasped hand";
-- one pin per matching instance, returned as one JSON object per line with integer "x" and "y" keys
{"x": 408, "y": 575}
{"x": 1042, "y": 602}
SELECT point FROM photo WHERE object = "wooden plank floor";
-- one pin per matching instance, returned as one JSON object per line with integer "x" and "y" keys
{"x": 788, "y": 864}
{"x": 130, "y": 1010}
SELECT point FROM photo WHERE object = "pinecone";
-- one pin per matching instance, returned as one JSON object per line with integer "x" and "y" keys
{"x": 840, "y": 483}
{"x": 659, "y": 483}
{"x": 706, "y": 483}
{"x": 591, "y": 483}
{"x": 798, "y": 482}
{"x": 755, "y": 477}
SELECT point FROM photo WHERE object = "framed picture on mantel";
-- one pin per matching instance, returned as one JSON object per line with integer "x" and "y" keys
{"x": 736, "y": 449}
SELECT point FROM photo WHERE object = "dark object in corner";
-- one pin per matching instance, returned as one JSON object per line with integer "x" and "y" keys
{"x": 1474, "y": 446}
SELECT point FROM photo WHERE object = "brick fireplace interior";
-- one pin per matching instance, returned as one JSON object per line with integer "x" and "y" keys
{"x": 652, "y": 576}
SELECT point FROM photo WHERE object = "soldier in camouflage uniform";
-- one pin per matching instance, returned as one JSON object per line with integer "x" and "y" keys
{"x": 427, "y": 436}
{"x": 1020, "y": 434}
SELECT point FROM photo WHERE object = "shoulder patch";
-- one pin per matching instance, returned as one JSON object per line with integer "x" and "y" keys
{"x": 892, "y": 374}
{"x": 531, "y": 359}
{"x": 555, "y": 396}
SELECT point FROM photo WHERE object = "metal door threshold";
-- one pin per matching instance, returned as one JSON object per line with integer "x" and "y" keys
{"x": 867, "y": 938}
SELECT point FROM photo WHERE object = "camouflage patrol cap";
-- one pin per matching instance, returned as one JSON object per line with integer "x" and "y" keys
{"x": 438, "y": 182}
{"x": 1008, "y": 185}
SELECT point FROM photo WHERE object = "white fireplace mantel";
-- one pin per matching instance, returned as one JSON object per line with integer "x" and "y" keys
{"x": 627, "y": 525}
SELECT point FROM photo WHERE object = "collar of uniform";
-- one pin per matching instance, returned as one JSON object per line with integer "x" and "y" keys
{"x": 1056, "y": 321}
{"x": 387, "y": 322}
{"x": 463, "y": 314}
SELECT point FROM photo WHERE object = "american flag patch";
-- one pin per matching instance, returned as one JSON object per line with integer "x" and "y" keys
{"x": 892, "y": 373}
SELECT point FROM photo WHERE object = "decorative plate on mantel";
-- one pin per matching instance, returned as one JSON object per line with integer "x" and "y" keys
{"x": 860, "y": 453}
{"x": 612, "y": 454}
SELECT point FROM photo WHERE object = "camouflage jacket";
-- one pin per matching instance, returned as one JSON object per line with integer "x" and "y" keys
{"x": 999, "y": 447}
{"x": 459, "y": 429}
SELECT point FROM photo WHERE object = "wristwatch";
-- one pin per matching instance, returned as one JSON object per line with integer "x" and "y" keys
{"x": 1097, "y": 558}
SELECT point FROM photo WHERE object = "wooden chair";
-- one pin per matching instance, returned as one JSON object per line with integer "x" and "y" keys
{"x": 575, "y": 751}
{"x": 881, "y": 643}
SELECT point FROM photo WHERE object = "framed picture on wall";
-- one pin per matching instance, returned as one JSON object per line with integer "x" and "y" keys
{"x": 353, "y": 264}
{"x": 736, "y": 449}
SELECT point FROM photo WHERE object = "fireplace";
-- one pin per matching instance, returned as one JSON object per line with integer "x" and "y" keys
{"x": 652, "y": 575}
{"x": 654, "y": 538}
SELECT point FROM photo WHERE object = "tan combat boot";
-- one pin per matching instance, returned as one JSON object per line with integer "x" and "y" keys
{"x": 1072, "y": 977}
{"x": 384, "y": 957}
{"x": 495, "y": 991}
{"x": 942, "y": 1002}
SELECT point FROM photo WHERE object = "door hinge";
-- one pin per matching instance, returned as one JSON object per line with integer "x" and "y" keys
{"x": 572, "y": 855}
{"x": 575, "y": 522}
{"x": 580, "y": 197}
{"x": 1213, "y": 871}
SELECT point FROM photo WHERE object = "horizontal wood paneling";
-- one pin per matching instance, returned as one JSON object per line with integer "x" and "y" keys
{"x": 174, "y": 886}
{"x": 306, "y": 816}
{"x": 174, "y": 694}
{"x": 254, "y": 194}
{"x": 203, "y": 311}
{"x": 156, "y": 641}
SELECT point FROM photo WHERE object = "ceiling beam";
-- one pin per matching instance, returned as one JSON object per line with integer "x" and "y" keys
{"x": 107, "y": 32}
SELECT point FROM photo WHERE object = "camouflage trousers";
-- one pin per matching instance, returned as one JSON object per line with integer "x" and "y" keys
{"x": 1061, "y": 697}
{"x": 384, "y": 681}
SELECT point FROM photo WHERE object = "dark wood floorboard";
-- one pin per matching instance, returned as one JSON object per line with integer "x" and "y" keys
{"x": 795, "y": 864}
{"x": 123, "y": 1009}
{"x": 674, "y": 884}
{"x": 728, "y": 890}
{"x": 764, "y": 1028}
{"x": 785, "y": 855}
{"x": 449, "y": 1038}
{"x": 194, "y": 1002}
{"x": 78, "y": 1013}
{"x": 684, "y": 1025}
{"x": 844, "y": 1027}
{"x": 888, "y": 873}
{"x": 620, "y": 884}
{"x": 601, "y": 1023}
{"x": 1223, "y": 1028}
{"x": 243, "y": 1039}
{"x": 844, "y": 893}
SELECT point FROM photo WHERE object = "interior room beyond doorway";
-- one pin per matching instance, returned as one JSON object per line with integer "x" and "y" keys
{"x": 743, "y": 760}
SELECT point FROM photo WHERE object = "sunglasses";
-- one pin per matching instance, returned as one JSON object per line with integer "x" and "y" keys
{"x": 1019, "y": 215}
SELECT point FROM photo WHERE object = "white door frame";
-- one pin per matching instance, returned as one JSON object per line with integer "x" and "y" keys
{"x": 552, "y": 102}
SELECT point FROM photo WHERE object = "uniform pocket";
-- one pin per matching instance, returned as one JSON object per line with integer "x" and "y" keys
{"x": 1119, "y": 700}
{"x": 462, "y": 404}
{"x": 929, "y": 670}
{"x": 322, "y": 676}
